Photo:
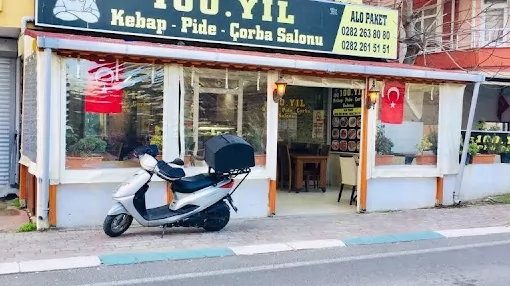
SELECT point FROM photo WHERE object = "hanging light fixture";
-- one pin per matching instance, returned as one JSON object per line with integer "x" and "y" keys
{"x": 372, "y": 95}
{"x": 279, "y": 91}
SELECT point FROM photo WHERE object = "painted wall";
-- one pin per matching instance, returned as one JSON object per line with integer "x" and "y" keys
{"x": 11, "y": 12}
{"x": 387, "y": 194}
{"x": 479, "y": 181}
{"x": 80, "y": 205}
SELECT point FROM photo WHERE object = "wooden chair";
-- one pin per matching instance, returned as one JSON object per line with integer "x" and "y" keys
{"x": 283, "y": 156}
{"x": 349, "y": 176}
{"x": 310, "y": 170}
{"x": 323, "y": 150}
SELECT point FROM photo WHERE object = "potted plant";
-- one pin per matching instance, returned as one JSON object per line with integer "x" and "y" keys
{"x": 480, "y": 125}
{"x": 423, "y": 158}
{"x": 255, "y": 140}
{"x": 477, "y": 157}
{"x": 383, "y": 147}
{"x": 473, "y": 149}
{"x": 86, "y": 153}
{"x": 493, "y": 148}
{"x": 157, "y": 139}
{"x": 432, "y": 137}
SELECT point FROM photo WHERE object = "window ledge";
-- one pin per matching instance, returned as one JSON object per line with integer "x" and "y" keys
{"x": 119, "y": 175}
{"x": 403, "y": 171}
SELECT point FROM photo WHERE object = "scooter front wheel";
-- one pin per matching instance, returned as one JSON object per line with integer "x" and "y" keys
{"x": 115, "y": 225}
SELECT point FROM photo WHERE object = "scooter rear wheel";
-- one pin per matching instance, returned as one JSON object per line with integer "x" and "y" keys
{"x": 218, "y": 218}
{"x": 115, "y": 225}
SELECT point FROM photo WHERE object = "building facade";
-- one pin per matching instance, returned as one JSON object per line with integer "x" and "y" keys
{"x": 12, "y": 16}
{"x": 473, "y": 36}
{"x": 105, "y": 79}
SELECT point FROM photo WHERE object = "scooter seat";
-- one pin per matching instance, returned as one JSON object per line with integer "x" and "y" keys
{"x": 192, "y": 184}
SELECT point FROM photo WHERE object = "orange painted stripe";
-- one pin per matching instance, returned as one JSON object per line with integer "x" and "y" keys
{"x": 53, "y": 205}
{"x": 363, "y": 154}
{"x": 23, "y": 170}
{"x": 272, "y": 197}
{"x": 439, "y": 191}
{"x": 169, "y": 194}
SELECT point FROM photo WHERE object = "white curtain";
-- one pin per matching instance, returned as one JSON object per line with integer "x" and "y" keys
{"x": 171, "y": 113}
{"x": 450, "y": 120}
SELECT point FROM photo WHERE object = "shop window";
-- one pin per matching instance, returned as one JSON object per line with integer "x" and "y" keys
{"x": 302, "y": 115}
{"x": 407, "y": 126}
{"x": 112, "y": 108}
{"x": 223, "y": 102}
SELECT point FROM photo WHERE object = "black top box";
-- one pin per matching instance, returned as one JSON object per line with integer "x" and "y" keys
{"x": 226, "y": 153}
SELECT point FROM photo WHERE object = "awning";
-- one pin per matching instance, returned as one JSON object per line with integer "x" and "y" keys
{"x": 101, "y": 45}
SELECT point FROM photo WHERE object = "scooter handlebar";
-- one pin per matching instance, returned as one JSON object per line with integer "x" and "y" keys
{"x": 151, "y": 150}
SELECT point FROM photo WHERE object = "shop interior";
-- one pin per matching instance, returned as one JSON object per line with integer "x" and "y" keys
{"x": 311, "y": 170}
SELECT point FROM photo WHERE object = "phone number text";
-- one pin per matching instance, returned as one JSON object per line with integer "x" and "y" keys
{"x": 365, "y": 47}
{"x": 365, "y": 33}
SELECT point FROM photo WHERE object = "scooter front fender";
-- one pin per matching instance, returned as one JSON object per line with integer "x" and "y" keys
{"x": 117, "y": 209}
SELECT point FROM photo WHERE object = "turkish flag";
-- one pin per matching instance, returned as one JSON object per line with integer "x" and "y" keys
{"x": 103, "y": 93}
{"x": 502, "y": 105}
{"x": 392, "y": 102}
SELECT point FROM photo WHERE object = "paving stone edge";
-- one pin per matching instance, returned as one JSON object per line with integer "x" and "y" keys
{"x": 134, "y": 258}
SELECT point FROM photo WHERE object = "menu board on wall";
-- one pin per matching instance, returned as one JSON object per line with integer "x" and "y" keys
{"x": 346, "y": 120}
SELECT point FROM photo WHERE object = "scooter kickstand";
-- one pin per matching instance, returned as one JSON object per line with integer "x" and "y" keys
{"x": 163, "y": 227}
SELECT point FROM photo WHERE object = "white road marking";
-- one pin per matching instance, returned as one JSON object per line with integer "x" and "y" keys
{"x": 294, "y": 264}
{"x": 316, "y": 244}
{"x": 9, "y": 268}
{"x": 59, "y": 264}
{"x": 473, "y": 231}
{"x": 261, "y": 248}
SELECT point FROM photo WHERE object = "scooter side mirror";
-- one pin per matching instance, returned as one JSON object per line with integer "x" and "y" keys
{"x": 177, "y": 161}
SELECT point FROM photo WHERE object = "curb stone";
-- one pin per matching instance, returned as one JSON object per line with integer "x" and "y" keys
{"x": 135, "y": 258}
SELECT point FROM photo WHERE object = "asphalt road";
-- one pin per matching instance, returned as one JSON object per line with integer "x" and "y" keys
{"x": 472, "y": 261}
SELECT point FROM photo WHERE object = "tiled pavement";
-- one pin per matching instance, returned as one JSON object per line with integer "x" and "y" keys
{"x": 70, "y": 243}
{"x": 13, "y": 221}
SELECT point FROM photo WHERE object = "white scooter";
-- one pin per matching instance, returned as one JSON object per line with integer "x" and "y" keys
{"x": 198, "y": 201}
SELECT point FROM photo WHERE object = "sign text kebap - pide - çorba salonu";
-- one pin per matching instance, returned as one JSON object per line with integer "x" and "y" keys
{"x": 307, "y": 25}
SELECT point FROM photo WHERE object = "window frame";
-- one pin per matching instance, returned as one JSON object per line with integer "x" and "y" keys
{"x": 109, "y": 175}
{"x": 402, "y": 171}
{"x": 487, "y": 6}
{"x": 217, "y": 91}
{"x": 257, "y": 172}
{"x": 438, "y": 21}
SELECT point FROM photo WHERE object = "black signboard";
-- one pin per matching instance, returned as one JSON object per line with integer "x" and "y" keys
{"x": 316, "y": 26}
{"x": 346, "y": 120}
{"x": 489, "y": 141}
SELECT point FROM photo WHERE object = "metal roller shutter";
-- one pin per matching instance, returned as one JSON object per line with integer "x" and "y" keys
{"x": 7, "y": 97}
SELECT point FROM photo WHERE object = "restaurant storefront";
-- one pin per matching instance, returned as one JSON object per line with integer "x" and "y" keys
{"x": 99, "y": 96}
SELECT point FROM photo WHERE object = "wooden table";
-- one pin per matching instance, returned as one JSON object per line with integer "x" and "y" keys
{"x": 300, "y": 160}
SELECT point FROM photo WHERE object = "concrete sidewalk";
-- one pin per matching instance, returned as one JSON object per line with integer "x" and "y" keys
{"x": 89, "y": 242}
